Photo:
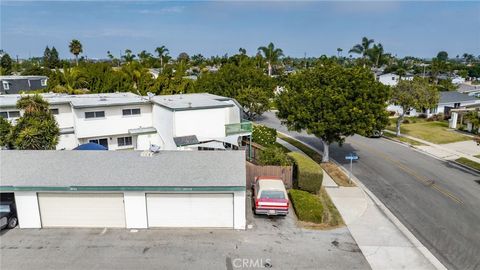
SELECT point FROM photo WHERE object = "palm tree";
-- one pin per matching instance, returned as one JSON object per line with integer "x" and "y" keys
{"x": 144, "y": 57}
{"x": 339, "y": 51}
{"x": 162, "y": 52}
{"x": 128, "y": 57}
{"x": 362, "y": 48}
{"x": 271, "y": 54}
{"x": 376, "y": 53}
{"x": 75, "y": 48}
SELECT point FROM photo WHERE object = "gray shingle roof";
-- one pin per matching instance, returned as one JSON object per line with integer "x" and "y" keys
{"x": 122, "y": 168}
{"x": 453, "y": 97}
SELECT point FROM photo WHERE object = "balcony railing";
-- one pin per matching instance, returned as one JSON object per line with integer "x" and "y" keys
{"x": 238, "y": 128}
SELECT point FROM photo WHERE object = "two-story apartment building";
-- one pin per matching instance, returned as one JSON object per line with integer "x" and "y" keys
{"x": 128, "y": 121}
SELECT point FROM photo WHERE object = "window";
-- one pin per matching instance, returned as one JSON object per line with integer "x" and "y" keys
{"x": 54, "y": 111}
{"x": 456, "y": 105}
{"x": 13, "y": 114}
{"x": 98, "y": 114}
{"x": 272, "y": 194}
{"x": 103, "y": 142}
{"x": 6, "y": 86}
{"x": 43, "y": 82}
{"x": 10, "y": 114}
{"x": 127, "y": 112}
{"x": 124, "y": 141}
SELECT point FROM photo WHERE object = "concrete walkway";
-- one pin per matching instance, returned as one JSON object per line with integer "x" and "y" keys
{"x": 450, "y": 151}
{"x": 385, "y": 242}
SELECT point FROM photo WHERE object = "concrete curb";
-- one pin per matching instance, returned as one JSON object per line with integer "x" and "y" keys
{"x": 402, "y": 228}
{"x": 431, "y": 155}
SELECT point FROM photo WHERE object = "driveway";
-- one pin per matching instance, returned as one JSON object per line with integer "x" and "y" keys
{"x": 276, "y": 242}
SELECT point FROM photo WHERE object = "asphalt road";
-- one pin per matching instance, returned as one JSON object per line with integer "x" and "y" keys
{"x": 437, "y": 201}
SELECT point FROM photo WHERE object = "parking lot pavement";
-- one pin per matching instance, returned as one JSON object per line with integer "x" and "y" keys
{"x": 276, "y": 242}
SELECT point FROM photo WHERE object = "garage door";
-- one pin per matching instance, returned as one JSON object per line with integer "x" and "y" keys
{"x": 190, "y": 210}
{"x": 81, "y": 210}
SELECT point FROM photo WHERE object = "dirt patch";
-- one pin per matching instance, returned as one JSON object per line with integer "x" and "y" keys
{"x": 337, "y": 174}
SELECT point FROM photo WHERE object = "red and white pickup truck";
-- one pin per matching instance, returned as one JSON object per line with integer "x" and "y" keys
{"x": 269, "y": 196}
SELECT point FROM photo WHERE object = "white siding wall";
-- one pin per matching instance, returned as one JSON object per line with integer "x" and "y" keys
{"x": 67, "y": 142}
{"x": 239, "y": 210}
{"x": 113, "y": 123}
{"x": 135, "y": 210}
{"x": 27, "y": 209}
{"x": 65, "y": 116}
{"x": 206, "y": 124}
{"x": 163, "y": 122}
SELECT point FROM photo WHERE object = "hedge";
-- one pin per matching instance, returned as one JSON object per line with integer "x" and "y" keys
{"x": 264, "y": 135}
{"x": 274, "y": 156}
{"x": 308, "y": 173}
{"x": 307, "y": 206}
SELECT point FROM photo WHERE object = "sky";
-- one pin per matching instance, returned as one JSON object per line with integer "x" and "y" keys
{"x": 414, "y": 28}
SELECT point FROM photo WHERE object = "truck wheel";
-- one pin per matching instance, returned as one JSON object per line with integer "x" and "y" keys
{"x": 12, "y": 223}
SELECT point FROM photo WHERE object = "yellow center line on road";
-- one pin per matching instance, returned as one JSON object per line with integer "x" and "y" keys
{"x": 424, "y": 180}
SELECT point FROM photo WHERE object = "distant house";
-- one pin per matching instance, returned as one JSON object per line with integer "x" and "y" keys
{"x": 458, "y": 80}
{"x": 391, "y": 79}
{"x": 453, "y": 100}
{"x": 469, "y": 89}
{"x": 17, "y": 84}
{"x": 448, "y": 101}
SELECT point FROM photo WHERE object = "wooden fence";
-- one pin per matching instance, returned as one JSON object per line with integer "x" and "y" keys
{"x": 283, "y": 172}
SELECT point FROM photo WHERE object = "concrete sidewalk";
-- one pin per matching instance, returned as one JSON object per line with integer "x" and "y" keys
{"x": 450, "y": 151}
{"x": 384, "y": 241}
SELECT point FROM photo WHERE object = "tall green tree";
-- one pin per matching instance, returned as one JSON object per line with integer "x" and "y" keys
{"x": 271, "y": 54}
{"x": 362, "y": 48}
{"x": 76, "y": 48}
{"x": 254, "y": 100}
{"x": 161, "y": 51}
{"x": 6, "y": 64}
{"x": 46, "y": 57}
{"x": 416, "y": 94}
{"x": 128, "y": 56}
{"x": 333, "y": 102}
{"x": 230, "y": 79}
{"x": 36, "y": 129}
{"x": 442, "y": 56}
{"x": 54, "y": 60}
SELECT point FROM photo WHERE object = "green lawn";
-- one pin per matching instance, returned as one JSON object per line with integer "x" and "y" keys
{"x": 402, "y": 139}
{"x": 469, "y": 163}
{"x": 434, "y": 131}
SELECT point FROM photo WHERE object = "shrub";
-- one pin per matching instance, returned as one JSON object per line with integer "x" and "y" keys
{"x": 308, "y": 173}
{"x": 264, "y": 135}
{"x": 406, "y": 121}
{"x": 307, "y": 206}
{"x": 274, "y": 156}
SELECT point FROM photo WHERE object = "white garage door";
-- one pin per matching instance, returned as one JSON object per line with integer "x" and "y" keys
{"x": 190, "y": 210}
{"x": 81, "y": 210}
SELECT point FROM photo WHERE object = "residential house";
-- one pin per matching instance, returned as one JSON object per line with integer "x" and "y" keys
{"x": 391, "y": 79}
{"x": 128, "y": 121}
{"x": 16, "y": 84}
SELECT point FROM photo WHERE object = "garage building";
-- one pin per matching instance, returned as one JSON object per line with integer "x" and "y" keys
{"x": 126, "y": 189}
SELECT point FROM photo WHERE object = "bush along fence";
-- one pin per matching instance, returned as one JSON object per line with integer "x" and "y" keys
{"x": 308, "y": 173}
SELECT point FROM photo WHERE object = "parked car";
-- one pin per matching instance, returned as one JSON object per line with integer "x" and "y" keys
{"x": 8, "y": 215}
{"x": 376, "y": 134}
{"x": 270, "y": 197}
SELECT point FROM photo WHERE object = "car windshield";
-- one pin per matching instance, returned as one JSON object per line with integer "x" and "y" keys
{"x": 272, "y": 194}
{"x": 4, "y": 208}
